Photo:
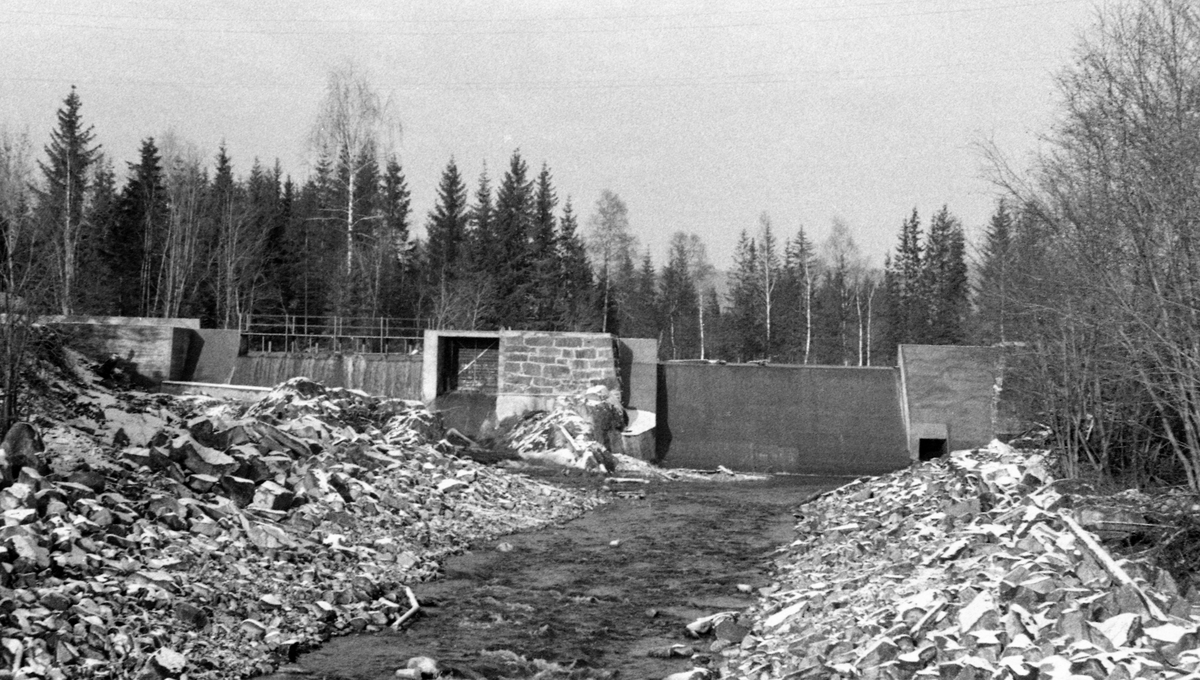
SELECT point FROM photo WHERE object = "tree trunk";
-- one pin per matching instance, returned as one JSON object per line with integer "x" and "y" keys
{"x": 808, "y": 325}
{"x": 68, "y": 273}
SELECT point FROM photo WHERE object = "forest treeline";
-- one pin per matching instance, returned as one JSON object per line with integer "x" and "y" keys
{"x": 180, "y": 234}
{"x": 1088, "y": 272}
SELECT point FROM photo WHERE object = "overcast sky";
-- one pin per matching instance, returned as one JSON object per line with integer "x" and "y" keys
{"x": 700, "y": 115}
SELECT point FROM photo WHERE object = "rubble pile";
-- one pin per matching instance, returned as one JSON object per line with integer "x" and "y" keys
{"x": 974, "y": 567}
{"x": 580, "y": 431}
{"x": 162, "y": 537}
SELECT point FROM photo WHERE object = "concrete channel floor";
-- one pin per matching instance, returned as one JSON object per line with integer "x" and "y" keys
{"x": 566, "y": 595}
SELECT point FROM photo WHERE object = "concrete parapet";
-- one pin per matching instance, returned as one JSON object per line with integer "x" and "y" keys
{"x": 246, "y": 393}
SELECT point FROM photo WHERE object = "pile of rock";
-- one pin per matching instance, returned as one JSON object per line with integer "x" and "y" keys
{"x": 180, "y": 538}
{"x": 581, "y": 431}
{"x": 974, "y": 567}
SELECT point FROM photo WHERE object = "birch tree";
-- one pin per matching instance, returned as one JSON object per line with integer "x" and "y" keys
{"x": 802, "y": 267}
{"x": 186, "y": 229}
{"x": 768, "y": 273}
{"x": 355, "y": 128}
{"x": 17, "y": 269}
{"x": 702, "y": 272}
{"x": 609, "y": 243}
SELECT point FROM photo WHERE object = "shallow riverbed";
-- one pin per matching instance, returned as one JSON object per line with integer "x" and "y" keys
{"x": 568, "y": 596}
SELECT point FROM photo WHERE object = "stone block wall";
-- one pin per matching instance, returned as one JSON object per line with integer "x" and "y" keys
{"x": 548, "y": 364}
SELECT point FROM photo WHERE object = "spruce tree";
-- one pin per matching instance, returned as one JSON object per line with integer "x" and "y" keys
{"x": 509, "y": 263}
{"x": 313, "y": 243}
{"x": 446, "y": 229}
{"x": 543, "y": 257}
{"x": 480, "y": 236}
{"x": 271, "y": 299}
{"x": 623, "y": 295}
{"x": 944, "y": 274}
{"x": 907, "y": 308}
{"x": 887, "y": 338}
{"x": 642, "y": 307}
{"x": 576, "y": 300}
{"x": 235, "y": 226}
{"x": 134, "y": 244}
{"x": 993, "y": 315}
{"x": 465, "y": 296}
{"x": 395, "y": 251}
{"x": 279, "y": 272}
{"x": 744, "y": 323}
{"x": 397, "y": 201}
{"x": 69, "y": 159}
{"x": 99, "y": 297}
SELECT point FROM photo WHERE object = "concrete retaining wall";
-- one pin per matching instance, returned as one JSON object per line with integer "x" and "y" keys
{"x": 638, "y": 366}
{"x": 213, "y": 355}
{"x": 952, "y": 392}
{"x": 155, "y": 352}
{"x": 391, "y": 375}
{"x": 798, "y": 419}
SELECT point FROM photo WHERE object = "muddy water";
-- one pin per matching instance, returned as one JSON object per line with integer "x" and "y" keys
{"x": 567, "y": 595}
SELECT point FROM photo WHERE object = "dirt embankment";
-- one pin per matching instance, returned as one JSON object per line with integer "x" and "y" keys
{"x": 594, "y": 596}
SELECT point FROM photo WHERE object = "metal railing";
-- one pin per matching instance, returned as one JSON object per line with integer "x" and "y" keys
{"x": 365, "y": 335}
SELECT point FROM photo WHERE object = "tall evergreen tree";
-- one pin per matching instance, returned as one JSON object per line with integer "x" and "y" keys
{"x": 575, "y": 308}
{"x": 481, "y": 236}
{"x": 272, "y": 298}
{"x": 394, "y": 251}
{"x": 509, "y": 263}
{"x": 100, "y": 296}
{"x": 831, "y": 335}
{"x": 946, "y": 286}
{"x": 641, "y": 310}
{"x": 544, "y": 257}
{"x": 885, "y": 344}
{"x": 745, "y": 326}
{"x": 446, "y": 228}
{"x": 907, "y": 308}
{"x": 314, "y": 239}
{"x": 134, "y": 245}
{"x": 993, "y": 313}
{"x": 66, "y": 173}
